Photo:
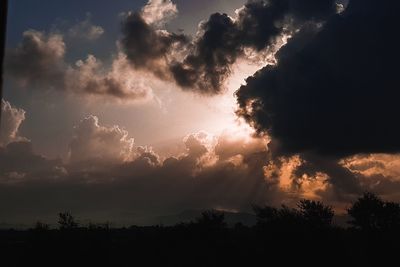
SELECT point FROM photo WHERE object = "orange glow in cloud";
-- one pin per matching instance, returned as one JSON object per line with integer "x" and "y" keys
{"x": 303, "y": 186}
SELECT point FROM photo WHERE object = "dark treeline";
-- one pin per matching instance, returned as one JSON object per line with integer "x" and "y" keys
{"x": 304, "y": 236}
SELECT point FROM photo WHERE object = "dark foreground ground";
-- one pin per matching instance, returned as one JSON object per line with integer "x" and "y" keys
{"x": 302, "y": 236}
{"x": 198, "y": 246}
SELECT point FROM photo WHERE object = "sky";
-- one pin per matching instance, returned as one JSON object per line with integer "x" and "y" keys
{"x": 137, "y": 109}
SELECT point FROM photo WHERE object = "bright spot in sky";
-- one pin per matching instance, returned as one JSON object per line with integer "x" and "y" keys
{"x": 225, "y": 105}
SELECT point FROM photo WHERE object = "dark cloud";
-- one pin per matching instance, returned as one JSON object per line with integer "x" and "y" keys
{"x": 344, "y": 181}
{"x": 20, "y": 163}
{"x": 147, "y": 47}
{"x": 38, "y": 60}
{"x": 334, "y": 90}
{"x": 332, "y": 94}
{"x": 204, "y": 64}
{"x": 213, "y": 54}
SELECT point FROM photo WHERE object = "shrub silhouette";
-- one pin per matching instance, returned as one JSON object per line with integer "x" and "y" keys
{"x": 370, "y": 212}
{"x": 40, "y": 226}
{"x": 66, "y": 221}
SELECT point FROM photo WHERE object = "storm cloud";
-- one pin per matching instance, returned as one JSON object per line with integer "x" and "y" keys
{"x": 334, "y": 90}
{"x": 146, "y": 46}
{"x": 220, "y": 41}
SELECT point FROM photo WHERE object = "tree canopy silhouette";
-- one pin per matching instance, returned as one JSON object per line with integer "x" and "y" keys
{"x": 370, "y": 212}
{"x": 315, "y": 213}
{"x": 308, "y": 213}
{"x": 67, "y": 221}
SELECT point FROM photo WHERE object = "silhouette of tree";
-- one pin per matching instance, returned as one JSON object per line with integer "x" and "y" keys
{"x": 315, "y": 213}
{"x": 391, "y": 216}
{"x": 272, "y": 217}
{"x": 370, "y": 212}
{"x": 67, "y": 221}
{"x": 212, "y": 219}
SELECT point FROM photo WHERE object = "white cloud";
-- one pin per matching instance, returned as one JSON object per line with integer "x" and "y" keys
{"x": 121, "y": 82}
{"x": 85, "y": 30}
{"x": 11, "y": 119}
{"x": 158, "y": 12}
{"x": 93, "y": 142}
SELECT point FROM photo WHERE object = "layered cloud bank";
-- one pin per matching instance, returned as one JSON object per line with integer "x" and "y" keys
{"x": 106, "y": 171}
{"x": 106, "y": 174}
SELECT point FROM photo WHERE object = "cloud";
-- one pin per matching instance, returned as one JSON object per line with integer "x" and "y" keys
{"x": 372, "y": 165}
{"x": 330, "y": 93}
{"x": 331, "y": 96}
{"x": 204, "y": 64}
{"x": 259, "y": 25}
{"x": 120, "y": 82}
{"x": 201, "y": 65}
{"x": 11, "y": 119}
{"x": 147, "y": 47}
{"x": 105, "y": 164}
{"x": 108, "y": 176}
{"x": 19, "y": 163}
{"x": 93, "y": 142}
{"x": 328, "y": 103}
{"x": 39, "y": 63}
{"x": 85, "y": 30}
{"x": 158, "y": 12}
{"x": 38, "y": 60}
